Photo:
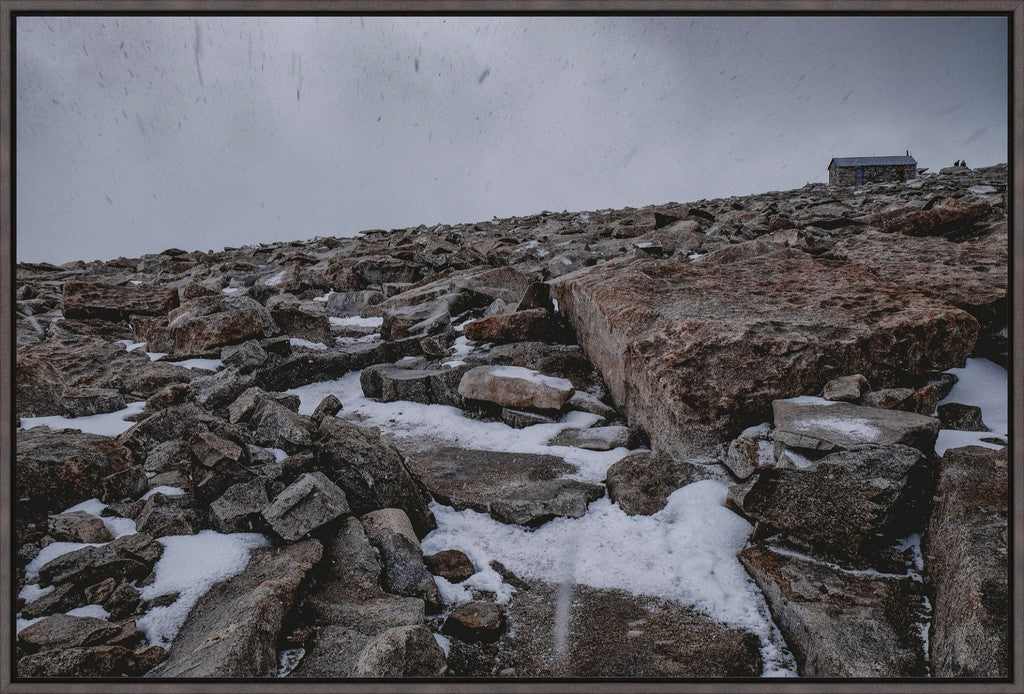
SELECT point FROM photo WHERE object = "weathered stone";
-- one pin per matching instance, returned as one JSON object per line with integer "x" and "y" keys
{"x": 328, "y": 407}
{"x": 58, "y": 469}
{"x": 746, "y": 454}
{"x": 408, "y": 651}
{"x": 530, "y": 324}
{"x": 585, "y": 402}
{"x": 233, "y": 629}
{"x": 246, "y": 356}
{"x": 166, "y": 515}
{"x": 520, "y": 419}
{"x": 537, "y": 295}
{"x": 641, "y": 482}
{"x": 304, "y": 322}
{"x": 235, "y": 510}
{"x": 218, "y": 390}
{"x": 810, "y": 424}
{"x": 450, "y": 564}
{"x": 966, "y": 555}
{"x": 173, "y": 394}
{"x": 115, "y": 303}
{"x": 391, "y": 532}
{"x": 175, "y": 422}
{"x": 372, "y": 473}
{"x": 595, "y": 438}
{"x": 39, "y": 387}
{"x": 838, "y": 623}
{"x": 890, "y": 399}
{"x": 516, "y": 488}
{"x": 694, "y": 354}
{"x": 845, "y": 388}
{"x": 95, "y": 661}
{"x": 953, "y": 415}
{"x": 61, "y": 599}
{"x": 940, "y": 220}
{"x": 213, "y": 322}
{"x": 849, "y": 503}
{"x": 124, "y": 485}
{"x": 62, "y": 631}
{"x": 305, "y": 505}
{"x": 83, "y": 401}
{"x": 609, "y": 634}
{"x": 515, "y": 386}
{"x": 276, "y": 426}
{"x": 476, "y": 621}
{"x": 78, "y": 526}
{"x": 218, "y": 464}
{"x": 345, "y": 304}
{"x": 129, "y": 556}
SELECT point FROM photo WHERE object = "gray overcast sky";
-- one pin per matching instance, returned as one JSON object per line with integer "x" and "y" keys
{"x": 137, "y": 134}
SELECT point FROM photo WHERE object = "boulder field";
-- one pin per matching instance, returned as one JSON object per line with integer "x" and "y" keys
{"x": 377, "y": 456}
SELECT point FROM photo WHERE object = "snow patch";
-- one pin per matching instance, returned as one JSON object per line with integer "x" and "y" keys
{"x": 371, "y": 322}
{"x": 165, "y": 490}
{"x": 531, "y": 376}
{"x": 110, "y": 424}
{"x": 984, "y": 384}
{"x": 299, "y": 342}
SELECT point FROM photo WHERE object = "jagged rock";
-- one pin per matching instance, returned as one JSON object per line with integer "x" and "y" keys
{"x": 218, "y": 390}
{"x": 217, "y": 464}
{"x": 450, "y": 564}
{"x": 408, "y": 651}
{"x": 594, "y": 438}
{"x": 166, "y": 515}
{"x": 129, "y": 556}
{"x": 84, "y": 401}
{"x": 235, "y": 510}
{"x": 345, "y": 304}
{"x": 328, "y": 407}
{"x": 390, "y": 382}
{"x": 246, "y": 356}
{"x": 520, "y": 419}
{"x": 838, "y": 623}
{"x": 641, "y": 482}
{"x": 61, "y": 599}
{"x": 115, "y": 303}
{"x": 476, "y": 621}
{"x": 537, "y": 295}
{"x": 585, "y": 402}
{"x": 304, "y": 321}
{"x": 372, "y": 473}
{"x": 175, "y": 422}
{"x": 39, "y": 387}
{"x": 530, "y": 324}
{"x": 941, "y": 220}
{"x": 418, "y": 320}
{"x": 746, "y": 454}
{"x": 515, "y": 386}
{"x": 212, "y": 322}
{"x": 678, "y": 344}
{"x": 515, "y": 488}
{"x": 809, "y": 424}
{"x": 966, "y": 562}
{"x": 305, "y": 505}
{"x": 233, "y": 629}
{"x": 275, "y": 426}
{"x": 610, "y": 634}
{"x": 78, "y": 526}
{"x": 890, "y": 399}
{"x": 953, "y": 415}
{"x": 124, "y": 484}
{"x": 61, "y": 631}
{"x": 96, "y": 661}
{"x": 58, "y": 469}
{"x": 391, "y": 532}
{"x": 845, "y": 388}
{"x": 848, "y": 503}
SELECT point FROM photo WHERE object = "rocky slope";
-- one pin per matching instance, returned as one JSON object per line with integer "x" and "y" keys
{"x": 688, "y": 440}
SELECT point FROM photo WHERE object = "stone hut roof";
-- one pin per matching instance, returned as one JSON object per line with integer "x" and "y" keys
{"x": 872, "y": 161}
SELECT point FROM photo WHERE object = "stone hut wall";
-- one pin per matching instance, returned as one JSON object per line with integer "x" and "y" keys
{"x": 846, "y": 175}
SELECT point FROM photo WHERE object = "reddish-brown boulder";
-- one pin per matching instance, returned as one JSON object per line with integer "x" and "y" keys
{"x": 116, "y": 303}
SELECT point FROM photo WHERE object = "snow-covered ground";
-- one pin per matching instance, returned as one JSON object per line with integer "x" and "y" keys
{"x": 984, "y": 384}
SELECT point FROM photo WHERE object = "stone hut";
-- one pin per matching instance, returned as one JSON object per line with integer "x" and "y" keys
{"x": 853, "y": 171}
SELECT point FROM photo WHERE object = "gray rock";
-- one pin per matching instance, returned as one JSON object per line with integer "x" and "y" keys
{"x": 220, "y": 389}
{"x": 849, "y": 503}
{"x": 83, "y": 402}
{"x": 61, "y": 599}
{"x": 345, "y": 304}
{"x": 595, "y": 438}
{"x": 839, "y": 623}
{"x": 747, "y": 454}
{"x": 408, "y": 651}
{"x": 246, "y": 356}
{"x": 516, "y": 488}
{"x": 234, "y": 628}
{"x": 78, "y": 526}
{"x": 372, "y": 472}
{"x": 819, "y": 427}
{"x": 236, "y": 509}
{"x": 953, "y": 415}
{"x": 218, "y": 464}
{"x": 585, "y": 402}
{"x": 129, "y": 556}
{"x": 966, "y": 555}
{"x": 514, "y": 386}
{"x": 123, "y": 485}
{"x": 433, "y": 385}
{"x": 641, "y": 482}
{"x": 275, "y": 426}
{"x": 305, "y": 505}
{"x": 61, "y": 631}
{"x": 109, "y": 302}
{"x": 391, "y": 532}
{"x": 92, "y": 661}
{"x": 890, "y": 399}
{"x": 520, "y": 419}
{"x": 166, "y": 515}
{"x": 846, "y": 388}
{"x": 328, "y": 407}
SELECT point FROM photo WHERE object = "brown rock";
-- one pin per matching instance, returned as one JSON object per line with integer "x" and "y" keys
{"x": 515, "y": 386}
{"x": 641, "y": 483}
{"x": 531, "y": 324}
{"x": 96, "y": 661}
{"x": 450, "y": 564}
{"x": 941, "y": 220}
{"x": 966, "y": 562}
{"x": 116, "y": 303}
{"x": 845, "y": 388}
{"x": 694, "y": 354}
{"x": 476, "y": 621}
{"x": 78, "y": 526}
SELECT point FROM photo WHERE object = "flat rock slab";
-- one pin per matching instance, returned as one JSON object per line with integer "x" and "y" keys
{"x": 516, "y": 488}
{"x": 609, "y": 634}
{"x": 515, "y": 386}
{"x": 116, "y": 303}
{"x": 840, "y": 623}
{"x": 233, "y": 630}
{"x": 966, "y": 561}
{"x": 695, "y": 354}
{"x": 849, "y": 503}
{"x": 819, "y": 426}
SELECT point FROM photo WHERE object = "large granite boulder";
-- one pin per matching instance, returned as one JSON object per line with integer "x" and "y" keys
{"x": 694, "y": 354}
{"x": 966, "y": 562}
{"x": 234, "y": 628}
{"x": 839, "y": 623}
